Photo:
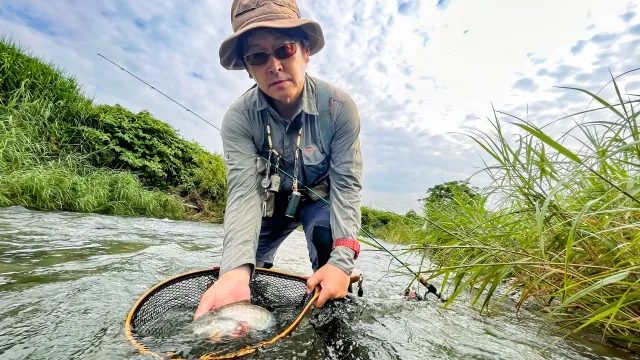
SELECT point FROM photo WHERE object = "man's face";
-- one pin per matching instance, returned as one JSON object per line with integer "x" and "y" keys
{"x": 281, "y": 79}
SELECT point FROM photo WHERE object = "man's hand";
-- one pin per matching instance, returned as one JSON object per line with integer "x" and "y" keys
{"x": 232, "y": 286}
{"x": 334, "y": 283}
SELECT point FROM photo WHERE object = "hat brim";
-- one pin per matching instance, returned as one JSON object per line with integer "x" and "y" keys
{"x": 229, "y": 57}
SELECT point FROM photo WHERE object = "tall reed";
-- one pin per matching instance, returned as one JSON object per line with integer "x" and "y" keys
{"x": 565, "y": 231}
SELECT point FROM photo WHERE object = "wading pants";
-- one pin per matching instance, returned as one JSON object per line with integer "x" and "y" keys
{"x": 314, "y": 217}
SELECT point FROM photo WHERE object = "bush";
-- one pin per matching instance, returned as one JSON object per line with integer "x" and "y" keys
{"x": 49, "y": 130}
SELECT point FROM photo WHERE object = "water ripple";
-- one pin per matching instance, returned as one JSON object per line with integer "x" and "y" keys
{"x": 67, "y": 282}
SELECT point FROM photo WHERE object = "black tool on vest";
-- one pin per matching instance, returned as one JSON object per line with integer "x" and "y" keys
{"x": 294, "y": 199}
{"x": 292, "y": 206}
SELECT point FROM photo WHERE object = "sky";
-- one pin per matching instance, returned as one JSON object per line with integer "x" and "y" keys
{"x": 422, "y": 73}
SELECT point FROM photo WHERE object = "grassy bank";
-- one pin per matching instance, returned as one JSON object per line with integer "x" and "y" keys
{"x": 60, "y": 151}
{"x": 390, "y": 226}
{"x": 565, "y": 234}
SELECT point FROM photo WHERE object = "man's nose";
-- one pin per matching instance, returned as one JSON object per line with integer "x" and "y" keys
{"x": 274, "y": 64}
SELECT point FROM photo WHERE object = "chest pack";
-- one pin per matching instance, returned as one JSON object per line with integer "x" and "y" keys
{"x": 324, "y": 119}
{"x": 324, "y": 130}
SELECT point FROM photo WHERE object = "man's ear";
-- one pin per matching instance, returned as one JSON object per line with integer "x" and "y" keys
{"x": 307, "y": 54}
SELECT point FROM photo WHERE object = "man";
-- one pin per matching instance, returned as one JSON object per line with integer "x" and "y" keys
{"x": 303, "y": 127}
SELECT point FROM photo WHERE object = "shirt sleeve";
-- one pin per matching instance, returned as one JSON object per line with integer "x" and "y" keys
{"x": 242, "y": 218}
{"x": 345, "y": 174}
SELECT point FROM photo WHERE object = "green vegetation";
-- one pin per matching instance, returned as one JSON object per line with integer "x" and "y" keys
{"x": 564, "y": 234}
{"x": 410, "y": 228}
{"x": 59, "y": 151}
{"x": 390, "y": 226}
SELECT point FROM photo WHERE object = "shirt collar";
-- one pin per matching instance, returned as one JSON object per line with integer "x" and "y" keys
{"x": 307, "y": 102}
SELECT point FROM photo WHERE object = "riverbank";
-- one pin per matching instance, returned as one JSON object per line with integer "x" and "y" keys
{"x": 60, "y": 151}
{"x": 563, "y": 232}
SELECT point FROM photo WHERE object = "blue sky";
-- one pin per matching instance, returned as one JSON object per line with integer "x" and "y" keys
{"x": 419, "y": 71}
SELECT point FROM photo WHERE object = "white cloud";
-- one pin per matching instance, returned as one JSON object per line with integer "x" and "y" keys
{"x": 416, "y": 71}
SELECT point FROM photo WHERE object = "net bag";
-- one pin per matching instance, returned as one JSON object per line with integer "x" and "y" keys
{"x": 156, "y": 323}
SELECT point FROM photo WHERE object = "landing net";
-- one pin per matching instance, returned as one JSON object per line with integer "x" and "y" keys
{"x": 157, "y": 325}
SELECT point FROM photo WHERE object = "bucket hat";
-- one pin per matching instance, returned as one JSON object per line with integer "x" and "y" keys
{"x": 251, "y": 14}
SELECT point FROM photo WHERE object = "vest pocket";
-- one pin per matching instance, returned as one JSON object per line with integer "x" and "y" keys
{"x": 315, "y": 163}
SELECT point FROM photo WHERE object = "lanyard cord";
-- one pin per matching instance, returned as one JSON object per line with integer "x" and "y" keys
{"x": 295, "y": 162}
{"x": 419, "y": 277}
{"x": 296, "y": 158}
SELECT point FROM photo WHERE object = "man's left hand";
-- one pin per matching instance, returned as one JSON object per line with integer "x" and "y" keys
{"x": 333, "y": 282}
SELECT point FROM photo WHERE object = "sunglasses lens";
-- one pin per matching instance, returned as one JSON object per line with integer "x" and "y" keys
{"x": 261, "y": 58}
{"x": 285, "y": 51}
{"x": 256, "y": 59}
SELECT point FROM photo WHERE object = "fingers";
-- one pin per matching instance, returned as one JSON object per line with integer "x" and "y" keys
{"x": 313, "y": 280}
{"x": 329, "y": 292}
{"x": 333, "y": 283}
{"x": 206, "y": 303}
{"x": 200, "y": 311}
{"x": 324, "y": 296}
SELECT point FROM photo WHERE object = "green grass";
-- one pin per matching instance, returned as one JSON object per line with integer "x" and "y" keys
{"x": 565, "y": 231}
{"x": 34, "y": 175}
{"x": 390, "y": 226}
{"x": 68, "y": 187}
{"x": 58, "y": 151}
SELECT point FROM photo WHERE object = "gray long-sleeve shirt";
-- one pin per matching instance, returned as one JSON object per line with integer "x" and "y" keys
{"x": 244, "y": 141}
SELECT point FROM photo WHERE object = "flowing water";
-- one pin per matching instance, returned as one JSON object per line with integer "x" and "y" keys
{"x": 68, "y": 280}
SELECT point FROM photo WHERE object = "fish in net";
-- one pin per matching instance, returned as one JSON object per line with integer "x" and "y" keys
{"x": 160, "y": 323}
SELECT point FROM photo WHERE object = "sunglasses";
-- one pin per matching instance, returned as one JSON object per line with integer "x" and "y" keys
{"x": 261, "y": 57}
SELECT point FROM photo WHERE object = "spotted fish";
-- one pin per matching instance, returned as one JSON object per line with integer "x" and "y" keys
{"x": 235, "y": 320}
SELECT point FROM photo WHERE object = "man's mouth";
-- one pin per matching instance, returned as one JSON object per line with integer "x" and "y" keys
{"x": 278, "y": 82}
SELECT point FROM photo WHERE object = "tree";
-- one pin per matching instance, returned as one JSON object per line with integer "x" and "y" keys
{"x": 444, "y": 194}
{"x": 411, "y": 214}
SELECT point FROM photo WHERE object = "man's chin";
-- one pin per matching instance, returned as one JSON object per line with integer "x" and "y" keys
{"x": 283, "y": 97}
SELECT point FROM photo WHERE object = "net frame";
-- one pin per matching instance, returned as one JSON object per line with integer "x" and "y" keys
{"x": 144, "y": 349}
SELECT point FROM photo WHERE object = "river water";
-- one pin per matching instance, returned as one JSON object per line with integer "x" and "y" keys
{"x": 68, "y": 280}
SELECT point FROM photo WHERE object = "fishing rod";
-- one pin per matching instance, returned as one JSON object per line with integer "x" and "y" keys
{"x": 430, "y": 288}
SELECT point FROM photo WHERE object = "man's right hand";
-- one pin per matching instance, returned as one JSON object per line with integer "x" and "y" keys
{"x": 232, "y": 286}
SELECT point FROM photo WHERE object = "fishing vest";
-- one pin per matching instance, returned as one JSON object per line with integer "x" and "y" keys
{"x": 314, "y": 160}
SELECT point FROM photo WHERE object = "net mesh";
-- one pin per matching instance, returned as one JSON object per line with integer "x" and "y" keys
{"x": 157, "y": 324}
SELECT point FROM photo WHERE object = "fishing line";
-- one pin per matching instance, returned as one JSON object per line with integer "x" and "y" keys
{"x": 419, "y": 277}
{"x": 427, "y": 220}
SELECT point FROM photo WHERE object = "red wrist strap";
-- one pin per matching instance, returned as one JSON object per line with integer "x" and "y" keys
{"x": 350, "y": 243}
